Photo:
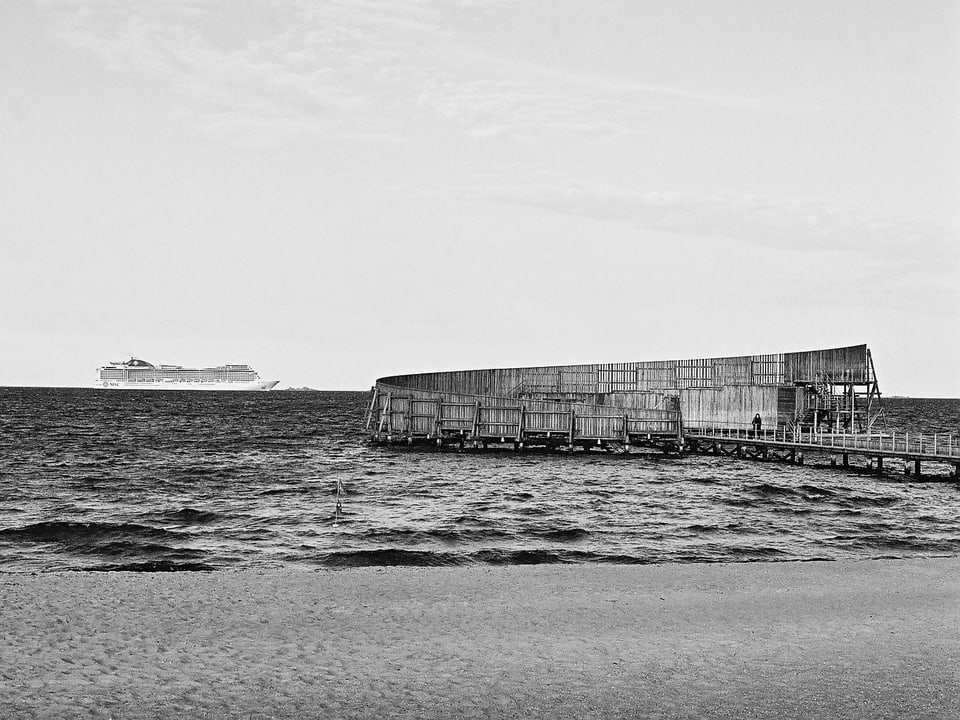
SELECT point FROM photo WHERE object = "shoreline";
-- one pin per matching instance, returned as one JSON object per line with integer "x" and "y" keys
{"x": 840, "y": 639}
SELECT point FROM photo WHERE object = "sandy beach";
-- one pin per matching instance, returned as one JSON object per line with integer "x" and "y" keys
{"x": 870, "y": 639}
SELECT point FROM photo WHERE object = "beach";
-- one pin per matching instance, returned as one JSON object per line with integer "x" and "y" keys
{"x": 849, "y": 639}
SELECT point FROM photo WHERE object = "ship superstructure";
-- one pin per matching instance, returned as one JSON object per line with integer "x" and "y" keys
{"x": 137, "y": 374}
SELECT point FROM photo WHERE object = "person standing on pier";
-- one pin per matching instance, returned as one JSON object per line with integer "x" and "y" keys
{"x": 757, "y": 423}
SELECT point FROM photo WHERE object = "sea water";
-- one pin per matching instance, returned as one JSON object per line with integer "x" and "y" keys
{"x": 176, "y": 481}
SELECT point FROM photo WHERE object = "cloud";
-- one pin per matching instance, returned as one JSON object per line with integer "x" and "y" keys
{"x": 525, "y": 111}
{"x": 349, "y": 68}
{"x": 883, "y": 245}
{"x": 287, "y": 68}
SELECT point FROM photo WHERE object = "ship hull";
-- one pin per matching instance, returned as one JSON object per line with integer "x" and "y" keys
{"x": 255, "y": 386}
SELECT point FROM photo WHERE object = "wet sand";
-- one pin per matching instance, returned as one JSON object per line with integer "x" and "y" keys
{"x": 871, "y": 639}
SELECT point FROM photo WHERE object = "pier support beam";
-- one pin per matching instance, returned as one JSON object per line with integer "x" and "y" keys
{"x": 916, "y": 467}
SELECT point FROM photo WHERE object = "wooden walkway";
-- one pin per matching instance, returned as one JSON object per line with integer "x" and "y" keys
{"x": 785, "y": 444}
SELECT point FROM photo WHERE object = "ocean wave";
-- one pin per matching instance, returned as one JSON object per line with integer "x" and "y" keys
{"x": 192, "y": 516}
{"x": 758, "y": 553}
{"x": 903, "y": 543}
{"x": 485, "y": 556}
{"x": 564, "y": 534}
{"x": 128, "y": 549}
{"x": 152, "y": 566}
{"x": 555, "y": 556}
{"x": 768, "y": 489}
{"x": 815, "y": 490}
{"x": 390, "y": 557}
{"x": 699, "y": 528}
{"x": 447, "y": 534}
{"x": 858, "y": 501}
{"x": 75, "y": 533}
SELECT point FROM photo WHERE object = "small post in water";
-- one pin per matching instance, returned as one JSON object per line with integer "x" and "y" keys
{"x": 338, "y": 513}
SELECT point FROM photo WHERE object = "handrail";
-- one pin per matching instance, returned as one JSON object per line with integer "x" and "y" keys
{"x": 945, "y": 445}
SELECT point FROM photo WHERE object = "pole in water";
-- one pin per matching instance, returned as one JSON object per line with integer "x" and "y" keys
{"x": 338, "y": 513}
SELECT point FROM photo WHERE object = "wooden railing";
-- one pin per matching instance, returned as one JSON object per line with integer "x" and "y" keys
{"x": 938, "y": 445}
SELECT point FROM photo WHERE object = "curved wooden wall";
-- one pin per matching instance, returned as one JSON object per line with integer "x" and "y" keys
{"x": 643, "y": 396}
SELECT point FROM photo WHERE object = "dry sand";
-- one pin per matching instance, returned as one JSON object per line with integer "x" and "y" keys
{"x": 873, "y": 639}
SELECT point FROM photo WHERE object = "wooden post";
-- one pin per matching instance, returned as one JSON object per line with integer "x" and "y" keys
{"x": 385, "y": 417}
{"x": 520, "y": 420}
{"x": 853, "y": 407}
{"x": 916, "y": 467}
{"x": 573, "y": 426}
{"x": 438, "y": 421}
{"x": 476, "y": 419}
{"x": 373, "y": 404}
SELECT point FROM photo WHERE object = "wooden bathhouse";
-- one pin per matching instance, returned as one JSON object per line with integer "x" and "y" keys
{"x": 630, "y": 402}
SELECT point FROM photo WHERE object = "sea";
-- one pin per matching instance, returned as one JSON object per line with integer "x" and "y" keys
{"x": 94, "y": 480}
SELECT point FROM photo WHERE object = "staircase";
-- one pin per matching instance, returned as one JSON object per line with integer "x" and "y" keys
{"x": 824, "y": 399}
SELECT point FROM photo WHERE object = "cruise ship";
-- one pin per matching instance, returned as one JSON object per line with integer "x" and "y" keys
{"x": 136, "y": 374}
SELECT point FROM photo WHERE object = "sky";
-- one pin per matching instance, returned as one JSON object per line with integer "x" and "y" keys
{"x": 337, "y": 191}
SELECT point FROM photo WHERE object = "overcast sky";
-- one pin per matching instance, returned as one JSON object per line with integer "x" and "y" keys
{"x": 337, "y": 191}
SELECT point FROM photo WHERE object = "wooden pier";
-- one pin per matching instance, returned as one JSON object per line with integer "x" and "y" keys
{"x": 824, "y": 402}
{"x": 790, "y": 445}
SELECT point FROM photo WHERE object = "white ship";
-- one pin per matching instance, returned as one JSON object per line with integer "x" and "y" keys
{"x": 135, "y": 374}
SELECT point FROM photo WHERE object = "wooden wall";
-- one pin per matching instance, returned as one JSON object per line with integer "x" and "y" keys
{"x": 731, "y": 406}
{"x": 727, "y": 391}
{"x": 850, "y": 364}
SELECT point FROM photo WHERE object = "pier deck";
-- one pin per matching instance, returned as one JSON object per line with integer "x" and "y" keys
{"x": 408, "y": 420}
{"x": 786, "y": 444}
